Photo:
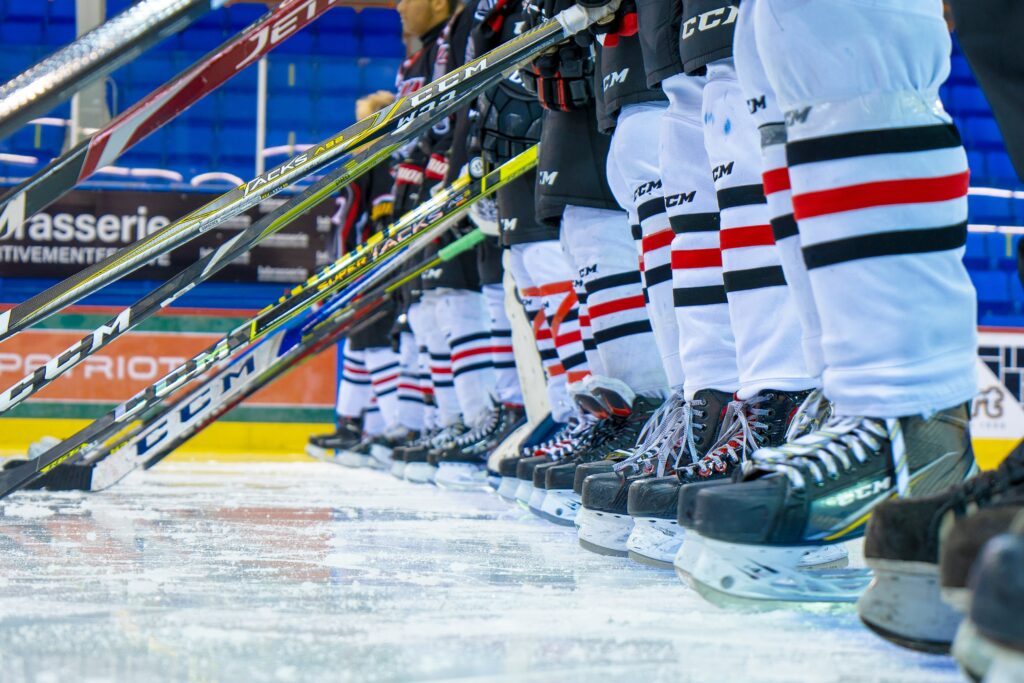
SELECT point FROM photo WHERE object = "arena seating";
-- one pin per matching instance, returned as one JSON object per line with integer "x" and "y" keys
{"x": 219, "y": 132}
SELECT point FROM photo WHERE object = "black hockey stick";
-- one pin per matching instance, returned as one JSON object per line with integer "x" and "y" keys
{"x": 382, "y": 133}
{"x": 93, "y": 56}
{"x": 160, "y": 107}
{"x": 420, "y": 225}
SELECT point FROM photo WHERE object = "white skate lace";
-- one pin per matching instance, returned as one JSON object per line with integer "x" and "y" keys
{"x": 484, "y": 429}
{"x": 742, "y": 431}
{"x": 840, "y": 445}
{"x": 662, "y": 431}
{"x": 557, "y": 438}
{"x": 566, "y": 445}
{"x": 812, "y": 413}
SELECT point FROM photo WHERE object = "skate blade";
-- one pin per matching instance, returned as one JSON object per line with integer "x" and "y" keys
{"x": 601, "y": 550}
{"x": 973, "y": 653}
{"x": 650, "y": 561}
{"x": 605, "y": 530}
{"x": 765, "y": 578}
{"x": 903, "y": 604}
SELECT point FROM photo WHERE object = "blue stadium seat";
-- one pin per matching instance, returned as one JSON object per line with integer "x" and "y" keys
{"x": 979, "y": 171}
{"x": 18, "y": 32}
{"x": 25, "y": 11}
{"x": 1000, "y": 170}
{"x": 989, "y": 210}
{"x": 1003, "y": 249}
{"x": 246, "y": 80}
{"x": 339, "y": 19}
{"x": 381, "y": 46}
{"x": 339, "y": 76}
{"x": 297, "y": 43}
{"x": 960, "y": 70}
{"x": 380, "y": 74}
{"x": 239, "y": 107}
{"x": 341, "y": 43}
{"x": 202, "y": 38}
{"x": 1016, "y": 292}
{"x": 14, "y": 59}
{"x": 61, "y": 9}
{"x": 190, "y": 141}
{"x": 290, "y": 72}
{"x": 983, "y": 133}
{"x": 60, "y": 32}
{"x": 237, "y": 143}
{"x": 241, "y": 15}
{"x": 151, "y": 69}
{"x": 976, "y": 255}
{"x": 968, "y": 100}
{"x": 291, "y": 110}
{"x": 205, "y": 110}
{"x": 379, "y": 21}
{"x": 993, "y": 320}
{"x": 993, "y": 291}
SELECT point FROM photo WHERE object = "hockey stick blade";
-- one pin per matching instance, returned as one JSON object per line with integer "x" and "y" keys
{"x": 383, "y": 130}
{"x": 97, "y": 53}
{"x": 157, "y": 109}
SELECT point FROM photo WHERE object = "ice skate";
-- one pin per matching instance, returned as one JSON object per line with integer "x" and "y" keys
{"x": 603, "y": 522}
{"x": 383, "y": 445}
{"x": 348, "y": 435}
{"x": 909, "y": 601}
{"x": 989, "y": 644}
{"x": 530, "y": 467}
{"x": 771, "y": 534}
{"x": 544, "y": 431}
{"x": 462, "y": 464}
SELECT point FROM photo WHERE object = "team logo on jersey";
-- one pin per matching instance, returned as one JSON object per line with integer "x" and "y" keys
{"x": 614, "y": 78}
{"x": 711, "y": 19}
{"x": 681, "y": 198}
{"x": 547, "y": 178}
{"x": 722, "y": 170}
{"x": 646, "y": 188}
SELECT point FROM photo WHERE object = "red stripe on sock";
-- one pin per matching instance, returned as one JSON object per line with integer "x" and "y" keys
{"x": 696, "y": 258}
{"x": 617, "y": 306}
{"x": 880, "y": 193}
{"x": 775, "y": 180}
{"x": 479, "y": 351}
{"x": 658, "y": 240}
{"x": 570, "y": 338}
{"x": 384, "y": 380}
{"x": 749, "y": 236}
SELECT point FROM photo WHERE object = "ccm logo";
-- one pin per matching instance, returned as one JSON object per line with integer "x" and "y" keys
{"x": 709, "y": 20}
{"x": 547, "y": 177}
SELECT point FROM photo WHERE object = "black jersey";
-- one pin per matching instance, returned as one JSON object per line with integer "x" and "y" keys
{"x": 571, "y": 167}
{"x": 620, "y": 73}
{"x": 658, "y": 23}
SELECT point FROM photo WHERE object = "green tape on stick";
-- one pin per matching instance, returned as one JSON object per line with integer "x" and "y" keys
{"x": 464, "y": 243}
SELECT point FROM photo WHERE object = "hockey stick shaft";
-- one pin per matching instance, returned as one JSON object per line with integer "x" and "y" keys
{"x": 382, "y": 132}
{"x": 268, "y": 320}
{"x": 157, "y": 109}
{"x": 97, "y": 53}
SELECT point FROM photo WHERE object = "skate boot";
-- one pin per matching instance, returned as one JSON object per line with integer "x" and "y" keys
{"x": 382, "y": 446}
{"x": 907, "y": 602}
{"x": 348, "y": 435}
{"x": 530, "y": 470}
{"x": 608, "y": 436}
{"x": 511, "y": 450}
{"x": 603, "y": 397}
{"x": 651, "y": 501}
{"x": 543, "y": 435}
{"x": 418, "y": 468}
{"x": 602, "y": 521}
{"x": 769, "y": 534}
{"x": 462, "y": 464}
{"x": 990, "y": 643}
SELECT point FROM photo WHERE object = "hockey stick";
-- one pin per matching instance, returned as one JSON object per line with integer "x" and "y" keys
{"x": 94, "y": 55}
{"x": 160, "y": 107}
{"x": 381, "y": 133}
{"x": 169, "y": 291}
{"x": 418, "y": 226}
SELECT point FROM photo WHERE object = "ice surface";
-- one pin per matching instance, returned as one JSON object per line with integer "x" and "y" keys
{"x": 312, "y": 572}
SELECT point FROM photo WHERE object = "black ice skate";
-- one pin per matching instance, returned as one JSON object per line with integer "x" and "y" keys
{"x": 770, "y": 535}
{"x": 418, "y": 469}
{"x": 990, "y": 643}
{"x": 347, "y": 436}
{"x": 603, "y": 523}
{"x": 463, "y": 463}
{"x": 543, "y": 436}
{"x": 651, "y": 502}
{"x": 606, "y": 437}
{"x": 531, "y": 471}
{"x": 501, "y": 465}
{"x": 902, "y": 543}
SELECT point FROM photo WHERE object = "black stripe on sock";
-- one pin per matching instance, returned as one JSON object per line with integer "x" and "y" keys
{"x": 658, "y": 274}
{"x": 384, "y": 368}
{"x": 650, "y": 208}
{"x": 505, "y": 365}
{"x": 410, "y": 399}
{"x": 446, "y": 384}
{"x": 893, "y": 243}
{"x": 784, "y": 226}
{"x": 385, "y": 392}
{"x": 872, "y": 142}
{"x": 629, "y": 277}
{"x": 357, "y": 382}
{"x": 574, "y": 361}
{"x": 548, "y": 354}
{"x": 699, "y": 296}
{"x": 637, "y": 232}
{"x": 742, "y": 195}
{"x": 695, "y": 222}
{"x": 483, "y": 365}
{"x": 624, "y": 330}
{"x": 589, "y": 345}
{"x": 753, "y": 278}
{"x": 441, "y": 356}
{"x": 581, "y": 296}
{"x": 501, "y": 333}
{"x": 468, "y": 338}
